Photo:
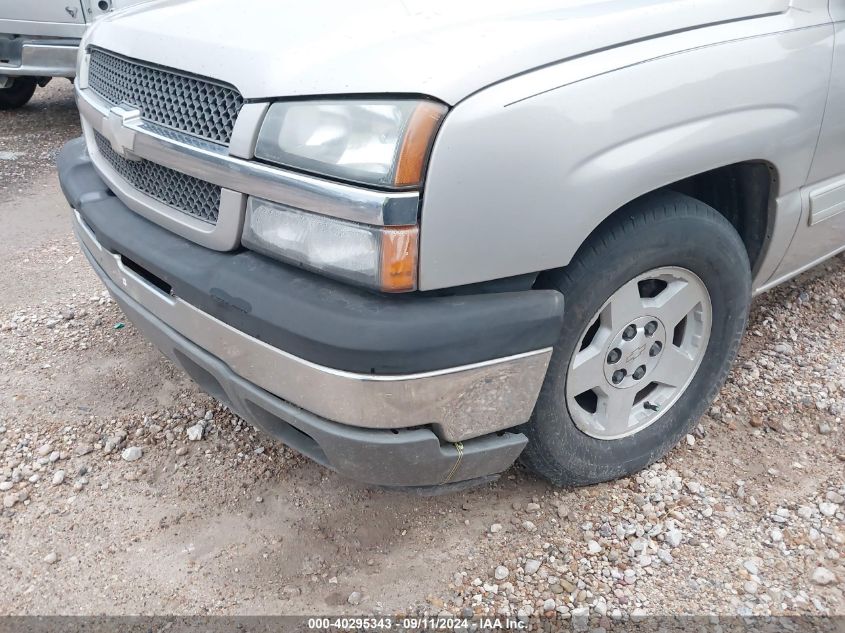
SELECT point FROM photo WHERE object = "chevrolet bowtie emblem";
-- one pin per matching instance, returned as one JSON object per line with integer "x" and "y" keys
{"x": 116, "y": 129}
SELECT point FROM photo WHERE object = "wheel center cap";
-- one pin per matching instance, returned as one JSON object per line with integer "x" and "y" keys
{"x": 634, "y": 352}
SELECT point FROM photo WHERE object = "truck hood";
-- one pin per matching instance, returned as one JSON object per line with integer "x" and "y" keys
{"x": 447, "y": 49}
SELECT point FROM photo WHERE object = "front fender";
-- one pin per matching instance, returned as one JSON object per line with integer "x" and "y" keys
{"x": 523, "y": 172}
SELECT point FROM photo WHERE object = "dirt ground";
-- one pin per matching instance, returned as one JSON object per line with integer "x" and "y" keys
{"x": 746, "y": 517}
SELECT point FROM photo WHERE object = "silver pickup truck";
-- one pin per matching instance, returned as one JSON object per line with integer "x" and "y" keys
{"x": 39, "y": 40}
{"x": 417, "y": 240}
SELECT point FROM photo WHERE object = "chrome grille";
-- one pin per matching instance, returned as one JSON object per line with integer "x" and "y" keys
{"x": 196, "y": 106}
{"x": 195, "y": 197}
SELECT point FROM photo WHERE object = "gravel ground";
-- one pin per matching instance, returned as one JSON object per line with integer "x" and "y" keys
{"x": 30, "y": 137}
{"x": 127, "y": 490}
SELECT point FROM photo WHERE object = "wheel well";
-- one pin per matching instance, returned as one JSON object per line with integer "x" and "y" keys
{"x": 742, "y": 193}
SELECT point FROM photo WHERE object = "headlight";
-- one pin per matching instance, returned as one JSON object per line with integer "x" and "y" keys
{"x": 374, "y": 142}
{"x": 384, "y": 258}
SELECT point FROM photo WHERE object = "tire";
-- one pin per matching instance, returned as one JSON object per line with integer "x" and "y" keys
{"x": 18, "y": 94}
{"x": 665, "y": 229}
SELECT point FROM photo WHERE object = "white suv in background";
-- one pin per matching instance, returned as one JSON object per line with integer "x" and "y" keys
{"x": 39, "y": 40}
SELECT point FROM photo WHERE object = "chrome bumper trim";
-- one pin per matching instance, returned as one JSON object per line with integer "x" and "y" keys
{"x": 216, "y": 164}
{"x": 458, "y": 402}
{"x": 44, "y": 60}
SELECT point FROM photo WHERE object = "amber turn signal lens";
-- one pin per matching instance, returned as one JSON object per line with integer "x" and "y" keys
{"x": 399, "y": 248}
{"x": 418, "y": 139}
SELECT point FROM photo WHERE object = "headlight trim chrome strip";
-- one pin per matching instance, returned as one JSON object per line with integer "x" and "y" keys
{"x": 217, "y": 165}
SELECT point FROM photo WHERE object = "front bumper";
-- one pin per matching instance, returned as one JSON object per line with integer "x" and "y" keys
{"x": 237, "y": 339}
{"x": 40, "y": 58}
{"x": 403, "y": 458}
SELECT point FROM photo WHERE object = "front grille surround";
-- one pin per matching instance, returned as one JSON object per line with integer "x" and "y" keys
{"x": 194, "y": 105}
{"x": 192, "y": 196}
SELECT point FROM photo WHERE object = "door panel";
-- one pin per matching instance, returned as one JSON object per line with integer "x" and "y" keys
{"x": 46, "y": 18}
{"x": 64, "y": 11}
{"x": 822, "y": 230}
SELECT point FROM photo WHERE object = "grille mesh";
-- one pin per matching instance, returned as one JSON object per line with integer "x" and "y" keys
{"x": 188, "y": 104}
{"x": 195, "y": 197}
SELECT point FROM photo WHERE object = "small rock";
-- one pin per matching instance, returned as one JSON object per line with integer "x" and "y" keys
{"x": 638, "y": 614}
{"x": 44, "y": 450}
{"x": 529, "y": 526}
{"x": 496, "y": 527}
{"x": 694, "y": 487}
{"x": 354, "y": 598}
{"x": 84, "y": 449}
{"x": 823, "y": 576}
{"x": 10, "y": 500}
{"x": 828, "y": 509}
{"x": 531, "y": 567}
{"x": 549, "y": 605}
{"x": 593, "y": 547}
{"x": 532, "y": 507}
{"x": 580, "y": 616}
{"x": 182, "y": 450}
{"x": 501, "y": 572}
{"x": 132, "y": 454}
{"x": 51, "y": 558}
{"x": 751, "y": 587}
{"x": 835, "y": 497}
{"x": 673, "y": 538}
{"x": 58, "y": 477}
{"x": 825, "y": 429}
{"x": 195, "y": 432}
{"x": 751, "y": 568}
{"x": 567, "y": 586}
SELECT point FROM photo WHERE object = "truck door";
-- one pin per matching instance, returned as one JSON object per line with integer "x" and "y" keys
{"x": 822, "y": 229}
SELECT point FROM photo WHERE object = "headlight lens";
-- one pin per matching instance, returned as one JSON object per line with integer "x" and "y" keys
{"x": 384, "y": 258}
{"x": 375, "y": 142}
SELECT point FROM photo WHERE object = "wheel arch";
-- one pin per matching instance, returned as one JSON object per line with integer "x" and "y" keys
{"x": 744, "y": 193}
